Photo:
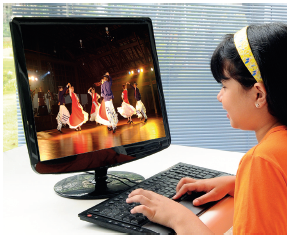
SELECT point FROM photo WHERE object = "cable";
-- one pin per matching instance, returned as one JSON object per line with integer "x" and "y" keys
{"x": 124, "y": 178}
{"x": 115, "y": 177}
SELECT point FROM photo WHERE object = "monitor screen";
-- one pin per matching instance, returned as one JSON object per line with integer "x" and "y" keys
{"x": 86, "y": 86}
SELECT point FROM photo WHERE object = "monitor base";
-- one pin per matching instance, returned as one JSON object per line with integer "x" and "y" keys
{"x": 104, "y": 185}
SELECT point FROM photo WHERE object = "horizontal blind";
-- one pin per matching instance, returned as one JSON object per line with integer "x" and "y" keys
{"x": 21, "y": 136}
{"x": 186, "y": 35}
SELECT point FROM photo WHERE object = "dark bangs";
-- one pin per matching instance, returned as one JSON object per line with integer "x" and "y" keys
{"x": 226, "y": 63}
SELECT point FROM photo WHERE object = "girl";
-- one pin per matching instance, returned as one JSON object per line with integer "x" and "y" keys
{"x": 126, "y": 110}
{"x": 95, "y": 104}
{"x": 252, "y": 67}
{"x": 78, "y": 116}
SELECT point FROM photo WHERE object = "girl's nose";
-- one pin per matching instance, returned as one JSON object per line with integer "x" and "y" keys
{"x": 220, "y": 95}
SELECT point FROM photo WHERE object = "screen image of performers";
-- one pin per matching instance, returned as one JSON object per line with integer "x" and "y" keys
{"x": 126, "y": 110}
{"x": 140, "y": 108}
{"x": 95, "y": 104}
{"x": 107, "y": 115}
{"x": 63, "y": 114}
{"x": 78, "y": 116}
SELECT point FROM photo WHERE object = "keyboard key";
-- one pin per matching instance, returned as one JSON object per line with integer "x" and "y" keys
{"x": 134, "y": 221}
{"x": 126, "y": 219}
{"x": 140, "y": 220}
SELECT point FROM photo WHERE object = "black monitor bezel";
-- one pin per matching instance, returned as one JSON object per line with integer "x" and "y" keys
{"x": 138, "y": 150}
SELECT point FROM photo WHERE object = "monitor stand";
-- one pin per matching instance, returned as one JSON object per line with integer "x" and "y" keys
{"x": 101, "y": 184}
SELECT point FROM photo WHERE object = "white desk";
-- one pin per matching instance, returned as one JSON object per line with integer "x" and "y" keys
{"x": 33, "y": 209}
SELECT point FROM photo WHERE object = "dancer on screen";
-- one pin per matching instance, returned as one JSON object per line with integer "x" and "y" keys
{"x": 101, "y": 117}
{"x": 126, "y": 110}
{"x": 78, "y": 116}
{"x": 63, "y": 114}
{"x": 107, "y": 115}
{"x": 95, "y": 104}
{"x": 140, "y": 108}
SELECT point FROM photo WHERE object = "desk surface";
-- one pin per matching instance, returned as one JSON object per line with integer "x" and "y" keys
{"x": 31, "y": 207}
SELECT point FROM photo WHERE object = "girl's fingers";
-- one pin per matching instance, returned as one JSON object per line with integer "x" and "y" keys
{"x": 184, "y": 189}
{"x": 208, "y": 197}
{"x": 184, "y": 181}
{"x": 197, "y": 186}
{"x": 140, "y": 191}
{"x": 139, "y": 199}
{"x": 149, "y": 213}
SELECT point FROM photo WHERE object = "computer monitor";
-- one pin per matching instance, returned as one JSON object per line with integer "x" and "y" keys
{"x": 63, "y": 127}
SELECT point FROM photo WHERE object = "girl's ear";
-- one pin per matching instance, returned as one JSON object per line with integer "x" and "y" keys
{"x": 261, "y": 95}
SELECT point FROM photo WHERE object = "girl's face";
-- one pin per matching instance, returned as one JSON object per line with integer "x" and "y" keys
{"x": 239, "y": 104}
{"x": 93, "y": 90}
{"x": 72, "y": 89}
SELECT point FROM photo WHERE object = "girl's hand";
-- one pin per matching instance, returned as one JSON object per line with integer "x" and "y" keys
{"x": 215, "y": 188}
{"x": 164, "y": 211}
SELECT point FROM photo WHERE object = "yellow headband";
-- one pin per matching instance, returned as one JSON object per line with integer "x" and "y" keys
{"x": 245, "y": 52}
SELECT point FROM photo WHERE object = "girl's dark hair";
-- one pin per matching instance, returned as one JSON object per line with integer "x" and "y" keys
{"x": 123, "y": 86}
{"x": 268, "y": 43}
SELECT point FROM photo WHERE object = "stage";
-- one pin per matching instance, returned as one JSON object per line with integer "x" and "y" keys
{"x": 53, "y": 144}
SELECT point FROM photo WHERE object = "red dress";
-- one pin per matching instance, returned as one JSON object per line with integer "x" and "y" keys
{"x": 126, "y": 110}
{"x": 92, "y": 105}
{"x": 125, "y": 98}
{"x": 94, "y": 99}
{"x": 101, "y": 117}
{"x": 78, "y": 116}
{"x": 102, "y": 111}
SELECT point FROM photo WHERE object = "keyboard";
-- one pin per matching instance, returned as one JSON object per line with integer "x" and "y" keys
{"x": 114, "y": 213}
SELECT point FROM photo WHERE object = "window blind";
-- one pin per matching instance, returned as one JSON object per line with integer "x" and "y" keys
{"x": 186, "y": 35}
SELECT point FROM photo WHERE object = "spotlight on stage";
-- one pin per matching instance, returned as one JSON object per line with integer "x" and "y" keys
{"x": 138, "y": 70}
{"x": 32, "y": 78}
{"x": 128, "y": 72}
{"x": 152, "y": 69}
{"x": 44, "y": 75}
{"x": 141, "y": 70}
{"x": 132, "y": 72}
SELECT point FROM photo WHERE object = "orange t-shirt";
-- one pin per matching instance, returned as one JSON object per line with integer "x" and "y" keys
{"x": 260, "y": 199}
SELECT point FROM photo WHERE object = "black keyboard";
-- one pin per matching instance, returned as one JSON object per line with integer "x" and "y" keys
{"x": 114, "y": 213}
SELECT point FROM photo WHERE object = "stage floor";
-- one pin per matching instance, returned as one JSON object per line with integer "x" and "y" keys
{"x": 53, "y": 144}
